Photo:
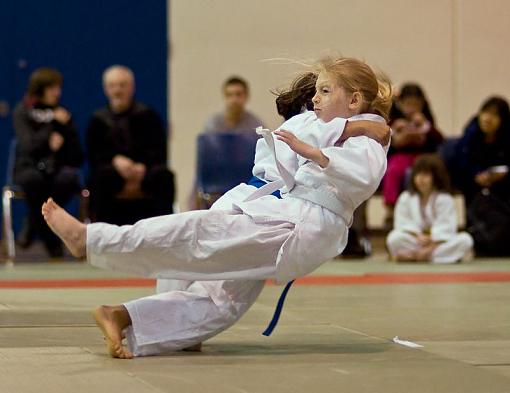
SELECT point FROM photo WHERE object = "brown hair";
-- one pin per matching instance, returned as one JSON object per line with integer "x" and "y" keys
{"x": 355, "y": 75}
{"x": 290, "y": 101}
{"x": 42, "y": 78}
{"x": 433, "y": 164}
{"x": 237, "y": 80}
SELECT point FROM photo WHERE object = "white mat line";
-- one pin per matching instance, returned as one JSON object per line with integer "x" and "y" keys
{"x": 395, "y": 340}
{"x": 358, "y": 332}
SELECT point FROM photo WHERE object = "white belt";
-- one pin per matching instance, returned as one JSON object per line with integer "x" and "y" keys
{"x": 321, "y": 198}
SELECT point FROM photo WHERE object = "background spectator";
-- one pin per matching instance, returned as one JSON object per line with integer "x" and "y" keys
{"x": 414, "y": 133}
{"x": 235, "y": 117}
{"x": 425, "y": 226}
{"x": 483, "y": 150}
{"x": 482, "y": 163}
{"x": 48, "y": 154}
{"x": 127, "y": 148}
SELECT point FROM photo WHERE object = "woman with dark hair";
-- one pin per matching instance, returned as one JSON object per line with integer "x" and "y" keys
{"x": 414, "y": 133}
{"x": 425, "y": 227}
{"x": 483, "y": 161}
{"x": 48, "y": 154}
{"x": 483, "y": 152}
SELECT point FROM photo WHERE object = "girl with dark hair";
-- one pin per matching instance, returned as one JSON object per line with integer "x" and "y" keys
{"x": 414, "y": 133}
{"x": 425, "y": 226}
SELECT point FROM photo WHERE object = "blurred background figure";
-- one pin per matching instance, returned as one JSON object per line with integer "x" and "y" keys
{"x": 127, "y": 150}
{"x": 425, "y": 228}
{"x": 482, "y": 161}
{"x": 235, "y": 117}
{"x": 415, "y": 133}
{"x": 483, "y": 150}
{"x": 48, "y": 154}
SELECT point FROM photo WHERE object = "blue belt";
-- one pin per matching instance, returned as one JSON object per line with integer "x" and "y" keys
{"x": 257, "y": 182}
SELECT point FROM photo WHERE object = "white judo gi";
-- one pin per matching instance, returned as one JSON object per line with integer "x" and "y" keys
{"x": 227, "y": 252}
{"x": 438, "y": 217}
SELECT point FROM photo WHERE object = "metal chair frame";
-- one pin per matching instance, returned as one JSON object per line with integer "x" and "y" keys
{"x": 11, "y": 192}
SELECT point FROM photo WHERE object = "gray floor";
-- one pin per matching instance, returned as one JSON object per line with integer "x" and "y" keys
{"x": 331, "y": 338}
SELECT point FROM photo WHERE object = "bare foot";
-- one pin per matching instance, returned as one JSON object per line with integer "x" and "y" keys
{"x": 424, "y": 254}
{"x": 72, "y": 232}
{"x": 406, "y": 256}
{"x": 194, "y": 348}
{"x": 110, "y": 321}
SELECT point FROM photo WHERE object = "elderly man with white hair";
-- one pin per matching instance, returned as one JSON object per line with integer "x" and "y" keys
{"x": 127, "y": 150}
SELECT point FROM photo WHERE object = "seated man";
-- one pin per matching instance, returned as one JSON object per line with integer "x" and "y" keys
{"x": 235, "y": 118}
{"x": 127, "y": 148}
{"x": 48, "y": 154}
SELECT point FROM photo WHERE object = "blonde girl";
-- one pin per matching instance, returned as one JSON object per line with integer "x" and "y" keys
{"x": 249, "y": 235}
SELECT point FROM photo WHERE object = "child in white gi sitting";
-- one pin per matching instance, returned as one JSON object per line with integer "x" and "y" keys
{"x": 425, "y": 226}
{"x": 249, "y": 234}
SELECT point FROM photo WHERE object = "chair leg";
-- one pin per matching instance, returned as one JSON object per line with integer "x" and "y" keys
{"x": 7, "y": 196}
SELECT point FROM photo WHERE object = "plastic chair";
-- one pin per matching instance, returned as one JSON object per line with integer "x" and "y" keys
{"x": 12, "y": 191}
{"x": 223, "y": 161}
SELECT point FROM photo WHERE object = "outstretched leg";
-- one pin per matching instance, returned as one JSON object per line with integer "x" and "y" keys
{"x": 112, "y": 321}
{"x": 72, "y": 232}
{"x": 196, "y": 245}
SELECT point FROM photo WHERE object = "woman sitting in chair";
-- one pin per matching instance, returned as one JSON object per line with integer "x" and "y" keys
{"x": 48, "y": 154}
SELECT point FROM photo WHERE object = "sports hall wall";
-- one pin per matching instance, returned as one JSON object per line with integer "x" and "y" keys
{"x": 457, "y": 49}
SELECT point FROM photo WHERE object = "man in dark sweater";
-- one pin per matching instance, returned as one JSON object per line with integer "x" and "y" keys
{"x": 127, "y": 149}
{"x": 48, "y": 154}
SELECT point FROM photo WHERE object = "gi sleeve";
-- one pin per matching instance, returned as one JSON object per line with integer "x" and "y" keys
{"x": 357, "y": 166}
{"x": 307, "y": 128}
{"x": 265, "y": 164}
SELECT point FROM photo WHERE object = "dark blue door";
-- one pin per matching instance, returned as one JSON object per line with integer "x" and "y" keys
{"x": 81, "y": 39}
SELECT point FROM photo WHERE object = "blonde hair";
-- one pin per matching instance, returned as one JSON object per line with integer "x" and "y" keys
{"x": 356, "y": 76}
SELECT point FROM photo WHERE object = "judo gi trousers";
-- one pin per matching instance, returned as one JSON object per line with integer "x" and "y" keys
{"x": 221, "y": 257}
{"x": 449, "y": 251}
